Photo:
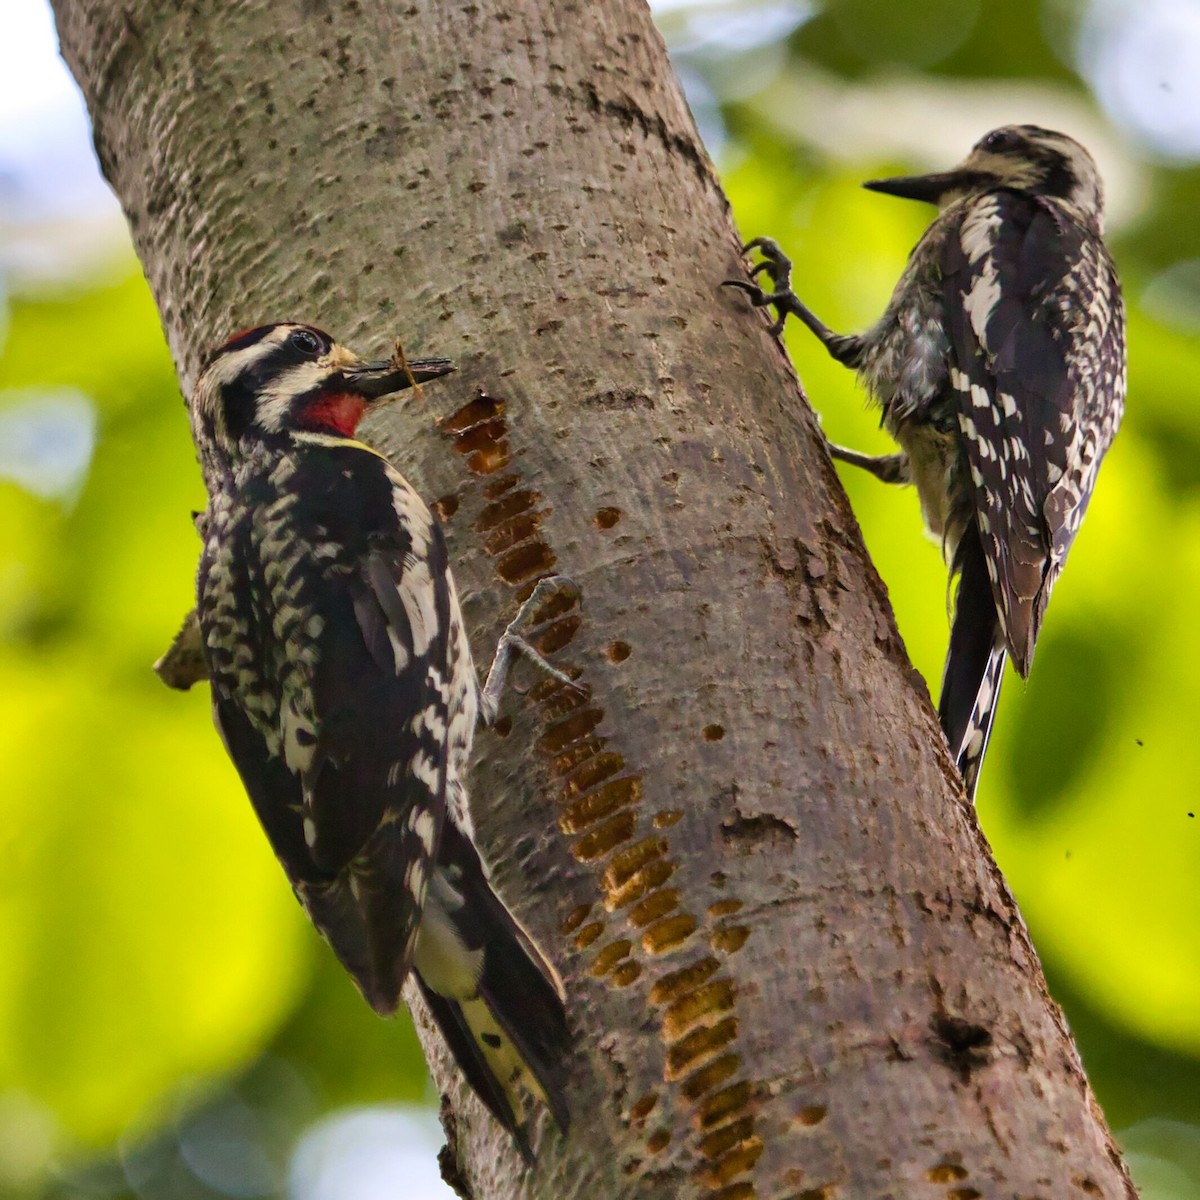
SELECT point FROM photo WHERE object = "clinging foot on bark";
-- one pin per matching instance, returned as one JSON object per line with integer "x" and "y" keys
{"x": 778, "y": 268}
{"x": 512, "y": 641}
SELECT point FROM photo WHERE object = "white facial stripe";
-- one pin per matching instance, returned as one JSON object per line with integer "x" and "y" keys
{"x": 229, "y": 366}
{"x": 276, "y": 401}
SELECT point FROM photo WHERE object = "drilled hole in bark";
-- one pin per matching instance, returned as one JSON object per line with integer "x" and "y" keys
{"x": 558, "y": 603}
{"x": 1089, "y": 1187}
{"x": 603, "y": 840}
{"x": 502, "y": 726}
{"x": 748, "y": 833}
{"x": 723, "y": 1140}
{"x": 669, "y": 933}
{"x": 730, "y": 939}
{"x": 475, "y": 412}
{"x": 947, "y": 1172}
{"x": 558, "y": 635}
{"x": 819, "y": 1193}
{"x": 639, "y": 884}
{"x": 656, "y": 905}
{"x": 658, "y": 1140}
{"x": 574, "y": 919}
{"x": 497, "y": 487}
{"x": 512, "y": 533}
{"x": 713, "y": 733}
{"x": 718, "y": 1107}
{"x": 671, "y": 987}
{"x": 588, "y": 934}
{"x": 562, "y": 733}
{"x": 512, "y": 504}
{"x": 667, "y": 818}
{"x": 529, "y": 561}
{"x": 484, "y": 462}
{"x": 723, "y": 908}
{"x": 625, "y": 973}
{"x": 697, "y": 1006}
{"x": 606, "y": 518}
{"x": 964, "y": 1193}
{"x": 964, "y": 1046}
{"x": 596, "y": 805}
{"x": 481, "y": 437}
{"x": 595, "y": 770}
{"x": 737, "y": 1191}
{"x": 610, "y": 955}
{"x": 617, "y": 652}
{"x": 572, "y": 756}
{"x": 557, "y": 698}
{"x": 736, "y": 1162}
{"x": 699, "y": 1046}
{"x": 643, "y": 1106}
{"x": 709, "y": 1077}
{"x": 811, "y": 1115}
{"x": 632, "y": 858}
{"x": 446, "y": 507}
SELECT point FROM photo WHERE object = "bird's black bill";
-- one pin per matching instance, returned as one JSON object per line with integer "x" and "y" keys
{"x": 377, "y": 379}
{"x": 912, "y": 187}
{"x": 929, "y": 188}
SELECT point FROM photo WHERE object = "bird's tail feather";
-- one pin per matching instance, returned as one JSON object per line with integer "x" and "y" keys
{"x": 494, "y": 996}
{"x": 974, "y": 663}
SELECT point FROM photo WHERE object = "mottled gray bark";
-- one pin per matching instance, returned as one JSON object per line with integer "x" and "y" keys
{"x": 794, "y": 969}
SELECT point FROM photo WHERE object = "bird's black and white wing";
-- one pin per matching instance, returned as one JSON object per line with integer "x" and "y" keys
{"x": 1016, "y": 273}
{"x": 1015, "y": 391}
{"x": 347, "y": 770}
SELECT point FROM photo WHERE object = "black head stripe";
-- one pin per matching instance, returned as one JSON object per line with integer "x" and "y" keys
{"x": 1058, "y": 176}
{"x": 238, "y": 402}
{"x": 239, "y": 341}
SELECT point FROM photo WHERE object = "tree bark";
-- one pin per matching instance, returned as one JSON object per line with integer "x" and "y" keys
{"x": 793, "y": 967}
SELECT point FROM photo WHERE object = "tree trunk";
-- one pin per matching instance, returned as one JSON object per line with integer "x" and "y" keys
{"x": 793, "y": 967}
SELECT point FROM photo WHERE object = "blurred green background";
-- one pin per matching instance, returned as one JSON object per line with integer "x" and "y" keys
{"x": 169, "y": 1026}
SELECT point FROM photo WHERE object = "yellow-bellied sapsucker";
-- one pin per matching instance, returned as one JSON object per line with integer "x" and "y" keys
{"x": 1000, "y": 368}
{"x": 344, "y": 690}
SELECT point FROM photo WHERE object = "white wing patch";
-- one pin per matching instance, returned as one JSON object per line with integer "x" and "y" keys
{"x": 418, "y": 597}
{"x": 399, "y": 650}
{"x": 978, "y": 233}
{"x": 424, "y": 827}
{"x": 983, "y": 297}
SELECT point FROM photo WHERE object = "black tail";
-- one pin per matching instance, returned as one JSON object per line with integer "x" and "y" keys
{"x": 974, "y": 662}
{"x": 495, "y": 998}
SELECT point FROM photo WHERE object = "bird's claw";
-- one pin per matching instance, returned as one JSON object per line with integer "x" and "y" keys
{"x": 512, "y": 641}
{"x": 778, "y": 268}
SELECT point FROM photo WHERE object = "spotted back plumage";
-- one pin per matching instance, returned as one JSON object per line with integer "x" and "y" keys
{"x": 1000, "y": 364}
{"x": 1038, "y": 379}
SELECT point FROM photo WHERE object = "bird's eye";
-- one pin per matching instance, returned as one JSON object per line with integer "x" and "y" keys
{"x": 1000, "y": 140}
{"x": 307, "y": 342}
